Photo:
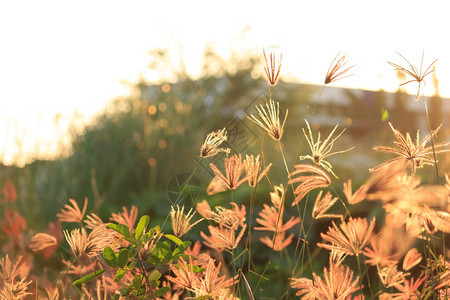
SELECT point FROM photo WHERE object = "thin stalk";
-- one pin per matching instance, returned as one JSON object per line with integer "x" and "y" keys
{"x": 249, "y": 237}
{"x": 302, "y": 228}
{"x": 182, "y": 190}
{"x": 431, "y": 138}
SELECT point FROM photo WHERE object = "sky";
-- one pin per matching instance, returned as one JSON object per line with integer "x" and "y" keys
{"x": 62, "y": 62}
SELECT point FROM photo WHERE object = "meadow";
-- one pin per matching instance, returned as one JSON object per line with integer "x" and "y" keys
{"x": 237, "y": 187}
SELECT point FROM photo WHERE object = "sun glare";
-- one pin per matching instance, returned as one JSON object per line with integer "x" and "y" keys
{"x": 54, "y": 64}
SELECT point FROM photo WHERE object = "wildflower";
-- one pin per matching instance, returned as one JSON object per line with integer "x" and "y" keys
{"x": 322, "y": 149}
{"x": 322, "y": 204}
{"x": 332, "y": 74}
{"x": 358, "y": 196}
{"x": 92, "y": 221}
{"x": 380, "y": 254}
{"x": 233, "y": 170}
{"x": 390, "y": 276}
{"x": 41, "y": 241}
{"x": 304, "y": 287}
{"x": 409, "y": 289}
{"x": 279, "y": 242}
{"x": 272, "y": 64}
{"x": 230, "y": 218}
{"x": 271, "y": 220}
{"x": 73, "y": 213}
{"x": 412, "y": 258}
{"x": 183, "y": 274}
{"x": 13, "y": 224}
{"x": 204, "y": 209}
{"x": 270, "y": 119}
{"x": 80, "y": 243}
{"x": 318, "y": 179}
{"x": 223, "y": 238}
{"x": 388, "y": 183}
{"x": 211, "y": 283}
{"x": 338, "y": 283}
{"x": 253, "y": 169}
{"x": 212, "y": 142}
{"x": 277, "y": 196}
{"x": 350, "y": 237}
{"x": 181, "y": 221}
{"x": 216, "y": 186}
{"x": 126, "y": 218}
{"x": 11, "y": 288}
{"x": 418, "y": 154}
{"x": 417, "y": 75}
{"x": 9, "y": 191}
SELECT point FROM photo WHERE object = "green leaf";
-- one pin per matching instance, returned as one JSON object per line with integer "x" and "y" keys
{"x": 205, "y": 297}
{"x": 123, "y": 230}
{"x": 123, "y": 258}
{"x": 119, "y": 274}
{"x": 137, "y": 281}
{"x": 155, "y": 275}
{"x": 110, "y": 257}
{"x": 165, "y": 250}
{"x": 142, "y": 225}
{"x": 89, "y": 277}
{"x": 124, "y": 291}
{"x": 384, "y": 114}
{"x": 180, "y": 249}
{"x": 162, "y": 291}
{"x": 174, "y": 239}
{"x": 132, "y": 265}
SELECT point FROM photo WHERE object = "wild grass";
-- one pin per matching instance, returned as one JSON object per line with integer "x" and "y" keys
{"x": 277, "y": 224}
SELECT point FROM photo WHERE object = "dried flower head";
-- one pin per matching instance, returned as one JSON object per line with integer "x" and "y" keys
{"x": 412, "y": 258}
{"x": 92, "y": 221}
{"x": 322, "y": 205}
{"x": 81, "y": 243}
{"x": 212, "y": 284}
{"x": 126, "y": 218}
{"x": 41, "y": 241}
{"x": 9, "y": 191}
{"x": 358, "y": 196}
{"x": 253, "y": 169}
{"x": 338, "y": 283}
{"x": 233, "y": 170}
{"x": 271, "y": 219}
{"x": 388, "y": 183}
{"x": 270, "y": 119}
{"x": 212, "y": 142}
{"x": 73, "y": 213}
{"x": 230, "y": 218}
{"x": 279, "y": 242}
{"x": 334, "y": 71}
{"x": 379, "y": 253}
{"x": 223, "y": 238}
{"x": 418, "y": 154}
{"x": 390, "y": 276}
{"x": 183, "y": 274}
{"x": 350, "y": 237}
{"x": 181, "y": 222}
{"x": 417, "y": 75}
{"x": 277, "y": 196}
{"x": 322, "y": 149}
{"x": 204, "y": 209}
{"x": 10, "y": 286}
{"x": 308, "y": 182}
{"x": 410, "y": 288}
{"x": 272, "y": 63}
{"x": 216, "y": 186}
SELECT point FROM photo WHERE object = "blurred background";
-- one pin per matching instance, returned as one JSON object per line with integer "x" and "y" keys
{"x": 112, "y": 101}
